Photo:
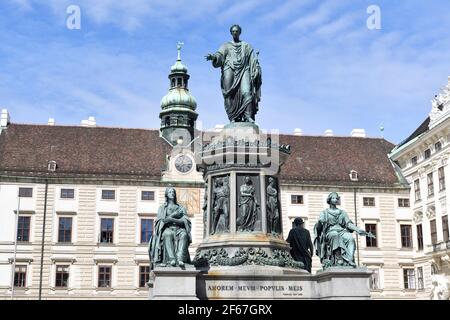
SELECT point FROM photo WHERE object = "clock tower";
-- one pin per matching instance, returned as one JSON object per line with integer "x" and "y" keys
{"x": 178, "y": 106}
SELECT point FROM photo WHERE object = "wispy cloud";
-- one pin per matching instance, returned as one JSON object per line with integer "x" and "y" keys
{"x": 315, "y": 18}
{"x": 322, "y": 68}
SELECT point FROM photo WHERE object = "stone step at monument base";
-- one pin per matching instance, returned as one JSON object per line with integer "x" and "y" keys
{"x": 173, "y": 283}
{"x": 272, "y": 282}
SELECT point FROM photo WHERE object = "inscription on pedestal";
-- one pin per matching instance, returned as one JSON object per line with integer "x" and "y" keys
{"x": 256, "y": 289}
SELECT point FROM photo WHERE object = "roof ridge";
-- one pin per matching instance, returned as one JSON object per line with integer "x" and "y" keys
{"x": 79, "y": 126}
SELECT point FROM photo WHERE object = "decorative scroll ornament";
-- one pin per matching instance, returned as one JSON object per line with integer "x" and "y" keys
{"x": 418, "y": 216}
{"x": 431, "y": 212}
{"x": 247, "y": 256}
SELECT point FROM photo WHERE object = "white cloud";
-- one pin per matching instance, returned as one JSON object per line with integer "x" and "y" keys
{"x": 313, "y": 19}
{"x": 337, "y": 25}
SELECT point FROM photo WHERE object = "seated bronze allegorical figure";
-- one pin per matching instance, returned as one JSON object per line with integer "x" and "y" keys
{"x": 334, "y": 241}
{"x": 172, "y": 234}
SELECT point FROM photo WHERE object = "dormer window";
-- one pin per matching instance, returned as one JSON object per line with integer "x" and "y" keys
{"x": 353, "y": 175}
{"x": 51, "y": 166}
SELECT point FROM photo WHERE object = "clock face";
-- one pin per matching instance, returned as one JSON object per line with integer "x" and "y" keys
{"x": 183, "y": 163}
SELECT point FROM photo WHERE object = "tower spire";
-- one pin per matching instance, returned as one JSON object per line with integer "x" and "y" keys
{"x": 179, "y": 46}
{"x": 178, "y": 106}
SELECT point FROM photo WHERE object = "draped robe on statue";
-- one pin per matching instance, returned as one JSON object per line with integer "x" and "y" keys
{"x": 240, "y": 81}
{"x": 273, "y": 215}
{"x": 332, "y": 234}
{"x": 248, "y": 209}
{"x": 170, "y": 241}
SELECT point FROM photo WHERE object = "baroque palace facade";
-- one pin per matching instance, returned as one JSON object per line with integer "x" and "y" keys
{"x": 81, "y": 201}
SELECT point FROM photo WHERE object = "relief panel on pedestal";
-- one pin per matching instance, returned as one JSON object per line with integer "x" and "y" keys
{"x": 248, "y": 215}
{"x": 220, "y": 205}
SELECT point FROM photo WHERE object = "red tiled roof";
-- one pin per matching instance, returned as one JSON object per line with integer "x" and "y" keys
{"x": 83, "y": 150}
{"x": 329, "y": 160}
{"x": 140, "y": 154}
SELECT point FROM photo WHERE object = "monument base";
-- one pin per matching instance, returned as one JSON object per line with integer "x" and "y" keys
{"x": 271, "y": 282}
{"x": 174, "y": 283}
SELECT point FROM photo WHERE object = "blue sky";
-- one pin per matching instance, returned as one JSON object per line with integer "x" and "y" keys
{"x": 322, "y": 67}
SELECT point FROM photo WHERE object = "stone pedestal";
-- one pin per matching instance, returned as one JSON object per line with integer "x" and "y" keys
{"x": 265, "y": 282}
{"x": 241, "y": 167}
{"x": 173, "y": 283}
{"x": 343, "y": 283}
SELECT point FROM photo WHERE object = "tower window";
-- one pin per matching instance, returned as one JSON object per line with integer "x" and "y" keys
{"x": 186, "y": 83}
{"x": 173, "y": 83}
{"x": 179, "y": 82}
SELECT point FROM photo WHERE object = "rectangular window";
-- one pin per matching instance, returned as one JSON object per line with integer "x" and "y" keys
{"x": 371, "y": 242}
{"x": 427, "y": 153}
{"x": 26, "y": 192}
{"x": 445, "y": 228}
{"x": 296, "y": 199}
{"x": 437, "y": 146}
{"x": 23, "y": 229}
{"x": 417, "y": 190}
{"x": 406, "y": 236}
{"x": 146, "y": 230}
{"x": 107, "y": 230}
{"x": 409, "y": 279}
{"x": 104, "y": 276}
{"x": 144, "y": 276}
{"x": 403, "y": 202}
{"x": 375, "y": 279}
{"x": 20, "y": 276}
{"x": 441, "y": 176}
{"x": 65, "y": 229}
{"x": 430, "y": 184}
{"x": 62, "y": 277}
{"x": 420, "y": 285}
{"x": 433, "y": 231}
{"x": 108, "y": 194}
{"x": 67, "y": 193}
{"x": 148, "y": 195}
{"x": 419, "y": 237}
{"x": 413, "y": 161}
{"x": 369, "y": 202}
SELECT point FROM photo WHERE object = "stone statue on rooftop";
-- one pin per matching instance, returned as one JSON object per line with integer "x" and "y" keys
{"x": 334, "y": 241}
{"x": 241, "y": 77}
{"x": 172, "y": 234}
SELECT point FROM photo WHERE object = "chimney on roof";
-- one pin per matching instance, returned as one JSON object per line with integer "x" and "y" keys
{"x": 4, "y": 119}
{"x": 219, "y": 127}
{"x": 359, "y": 133}
{"x": 51, "y": 122}
{"x": 328, "y": 133}
{"x": 90, "y": 122}
{"x": 298, "y": 132}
